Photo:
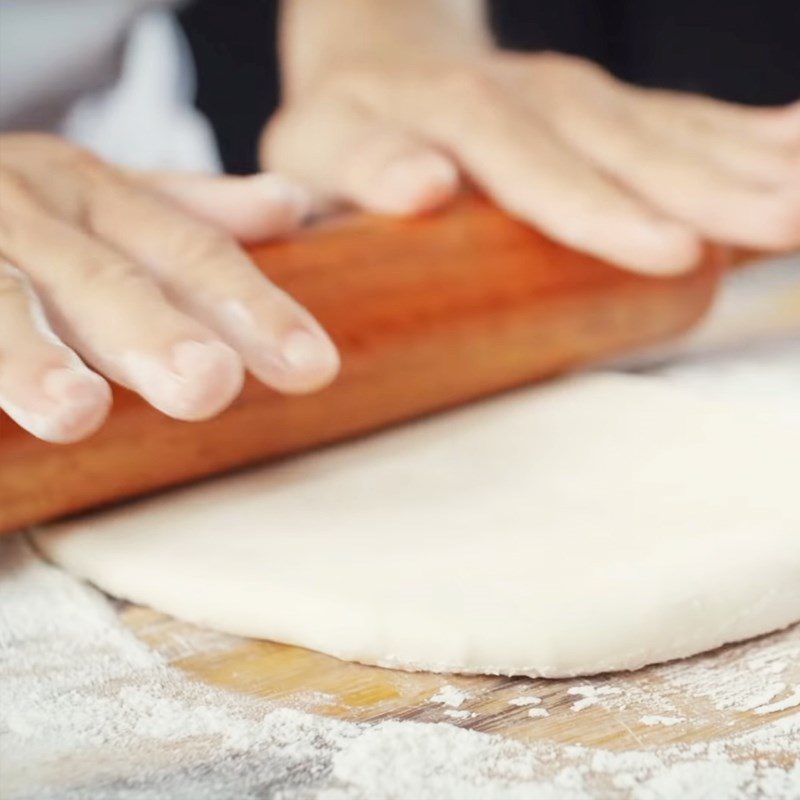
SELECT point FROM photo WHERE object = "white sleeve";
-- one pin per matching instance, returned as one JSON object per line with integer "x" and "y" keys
{"x": 54, "y": 51}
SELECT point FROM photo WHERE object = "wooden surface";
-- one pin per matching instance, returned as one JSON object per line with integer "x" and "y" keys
{"x": 428, "y": 314}
{"x": 286, "y": 676}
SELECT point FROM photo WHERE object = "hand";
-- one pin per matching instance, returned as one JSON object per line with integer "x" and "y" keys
{"x": 637, "y": 177}
{"x": 138, "y": 278}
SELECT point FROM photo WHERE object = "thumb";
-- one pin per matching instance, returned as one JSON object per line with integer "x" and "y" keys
{"x": 359, "y": 159}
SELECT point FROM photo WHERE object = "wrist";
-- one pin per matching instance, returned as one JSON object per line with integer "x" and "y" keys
{"x": 319, "y": 38}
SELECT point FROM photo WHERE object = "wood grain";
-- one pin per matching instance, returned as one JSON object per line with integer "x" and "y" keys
{"x": 428, "y": 314}
{"x": 287, "y": 676}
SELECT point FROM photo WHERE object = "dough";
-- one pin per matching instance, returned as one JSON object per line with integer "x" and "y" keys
{"x": 594, "y": 524}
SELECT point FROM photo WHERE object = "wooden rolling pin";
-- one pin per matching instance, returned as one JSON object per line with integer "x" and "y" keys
{"x": 428, "y": 313}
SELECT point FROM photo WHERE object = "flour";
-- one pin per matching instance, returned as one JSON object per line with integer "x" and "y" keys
{"x": 530, "y": 700}
{"x": 449, "y": 696}
{"x": 89, "y": 711}
{"x": 789, "y": 702}
{"x": 591, "y": 695}
{"x": 525, "y": 700}
{"x": 654, "y": 719}
{"x": 455, "y": 713}
{"x": 754, "y": 684}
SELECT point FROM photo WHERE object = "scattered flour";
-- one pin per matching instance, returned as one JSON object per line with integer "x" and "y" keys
{"x": 455, "y": 713}
{"x": 592, "y": 695}
{"x": 538, "y": 712}
{"x": 768, "y": 664}
{"x": 88, "y": 711}
{"x": 449, "y": 696}
{"x": 754, "y": 684}
{"x": 781, "y": 705}
{"x": 758, "y": 676}
{"x": 652, "y": 719}
{"x": 525, "y": 700}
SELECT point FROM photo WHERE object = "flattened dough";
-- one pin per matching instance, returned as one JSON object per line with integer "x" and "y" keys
{"x": 600, "y": 523}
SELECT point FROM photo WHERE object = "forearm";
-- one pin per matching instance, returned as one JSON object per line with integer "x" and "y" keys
{"x": 317, "y": 36}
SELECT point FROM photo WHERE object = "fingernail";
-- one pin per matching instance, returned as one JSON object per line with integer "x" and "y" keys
{"x": 307, "y": 352}
{"x": 83, "y": 399}
{"x": 414, "y": 183}
{"x": 284, "y": 192}
{"x": 198, "y": 381}
{"x": 67, "y": 385}
{"x": 671, "y": 249}
{"x": 302, "y": 359}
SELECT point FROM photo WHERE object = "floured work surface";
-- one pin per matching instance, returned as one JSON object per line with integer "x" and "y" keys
{"x": 91, "y": 711}
{"x": 732, "y": 690}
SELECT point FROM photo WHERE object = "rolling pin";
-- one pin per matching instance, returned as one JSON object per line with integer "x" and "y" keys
{"x": 428, "y": 313}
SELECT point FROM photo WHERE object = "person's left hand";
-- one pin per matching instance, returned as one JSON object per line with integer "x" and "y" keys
{"x": 635, "y": 176}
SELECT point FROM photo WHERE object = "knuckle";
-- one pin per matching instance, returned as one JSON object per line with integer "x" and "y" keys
{"x": 782, "y": 225}
{"x": 465, "y": 85}
{"x": 200, "y": 245}
{"x": 785, "y": 120}
{"x": 462, "y": 98}
{"x": 550, "y": 62}
{"x": 16, "y": 297}
{"x": 10, "y": 283}
{"x": 570, "y": 64}
{"x": 50, "y": 149}
{"x": 565, "y": 74}
{"x": 353, "y": 82}
{"x": 277, "y": 140}
{"x": 554, "y": 59}
{"x": 13, "y": 190}
{"x": 88, "y": 166}
{"x": 99, "y": 274}
{"x": 18, "y": 208}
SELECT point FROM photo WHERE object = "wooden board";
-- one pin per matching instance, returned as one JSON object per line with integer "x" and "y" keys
{"x": 285, "y": 676}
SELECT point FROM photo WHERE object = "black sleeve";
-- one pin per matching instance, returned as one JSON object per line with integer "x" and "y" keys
{"x": 741, "y": 50}
{"x": 746, "y": 51}
{"x": 234, "y": 47}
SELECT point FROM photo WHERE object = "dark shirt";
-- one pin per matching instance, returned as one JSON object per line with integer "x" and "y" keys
{"x": 746, "y": 51}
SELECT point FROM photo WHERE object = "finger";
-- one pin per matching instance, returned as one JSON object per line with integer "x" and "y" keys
{"x": 719, "y": 134}
{"x": 205, "y": 273}
{"x": 250, "y": 209}
{"x": 774, "y": 125}
{"x": 115, "y": 316}
{"x": 44, "y": 387}
{"x": 388, "y": 172}
{"x": 533, "y": 176}
{"x": 682, "y": 183}
{"x": 376, "y": 166}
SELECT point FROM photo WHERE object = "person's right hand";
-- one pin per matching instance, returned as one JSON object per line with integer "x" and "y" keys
{"x": 138, "y": 278}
